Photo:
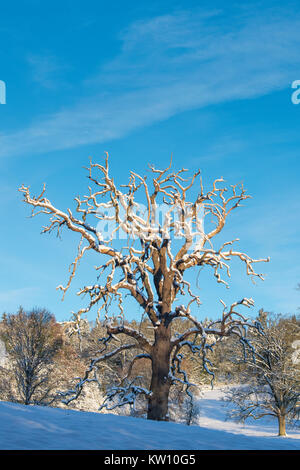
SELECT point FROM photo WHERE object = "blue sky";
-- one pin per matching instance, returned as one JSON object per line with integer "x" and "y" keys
{"x": 142, "y": 80}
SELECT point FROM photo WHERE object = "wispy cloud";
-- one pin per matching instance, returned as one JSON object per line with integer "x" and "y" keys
{"x": 45, "y": 70}
{"x": 13, "y": 298}
{"x": 274, "y": 224}
{"x": 167, "y": 65}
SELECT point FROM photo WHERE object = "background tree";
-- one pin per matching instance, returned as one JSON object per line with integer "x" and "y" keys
{"x": 270, "y": 380}
{"x": 164, "y": 239}
{"x": 32, "y": 340}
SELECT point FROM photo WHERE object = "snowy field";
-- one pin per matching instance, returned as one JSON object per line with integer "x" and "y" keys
{"x": 40, "y": 428}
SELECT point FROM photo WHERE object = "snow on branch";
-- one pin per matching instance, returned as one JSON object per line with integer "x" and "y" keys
{"x": 156, "y": 214}
{"x": 124, "y": 395}
{"x": 150, "y": 231}
{"x": 74, "y": 393}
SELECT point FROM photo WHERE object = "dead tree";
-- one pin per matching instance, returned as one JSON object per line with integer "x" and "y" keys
{"x": 156, "y": 234}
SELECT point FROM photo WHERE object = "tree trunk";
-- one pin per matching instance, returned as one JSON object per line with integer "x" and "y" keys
{"x": 281, "y": 425}
{"x": 160, "y": 381}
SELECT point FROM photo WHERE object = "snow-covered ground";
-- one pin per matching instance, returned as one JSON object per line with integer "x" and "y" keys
{"x": 41, "y": 428}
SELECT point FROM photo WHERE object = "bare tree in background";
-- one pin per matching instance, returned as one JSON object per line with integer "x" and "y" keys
{"x": 270, "y": 384}
{"x": 161, "y": 237}
{"x": 32, "y": 341}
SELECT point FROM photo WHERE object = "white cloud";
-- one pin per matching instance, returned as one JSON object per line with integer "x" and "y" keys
{"x": 45, "y": 70}
{"x": 12, "y": 298}
{"x": 167, "y": 65}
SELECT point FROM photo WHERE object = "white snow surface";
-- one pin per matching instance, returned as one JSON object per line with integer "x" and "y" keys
{"x": 43, "y": 428}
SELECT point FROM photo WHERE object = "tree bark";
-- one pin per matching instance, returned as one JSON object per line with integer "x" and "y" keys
{"x": 160, "y": 381}
{"x": 281, "y": 425}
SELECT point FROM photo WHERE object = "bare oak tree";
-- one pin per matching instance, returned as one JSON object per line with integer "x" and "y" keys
{"x": 164, "y": 239}
{"x": 32, "y": 340}
{"x": 269, "y": 384}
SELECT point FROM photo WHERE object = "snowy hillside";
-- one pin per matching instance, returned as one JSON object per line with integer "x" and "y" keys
{"x": 41, "y": 428}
